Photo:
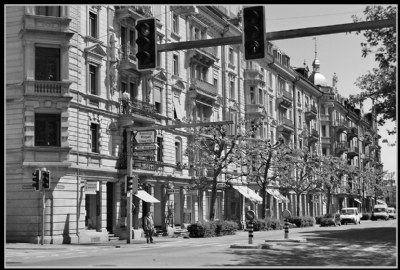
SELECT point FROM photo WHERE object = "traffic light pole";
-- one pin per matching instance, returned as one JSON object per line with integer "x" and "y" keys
{"x": 43, "y": 213}
{"x": 128, "y": 193}
{"x": 278, "y": 35}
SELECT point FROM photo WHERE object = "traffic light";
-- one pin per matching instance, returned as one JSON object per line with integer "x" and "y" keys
{"x": 128, "y": 183}
{"x": 254, "y": 32}
{"x": 46, "y": 179}
{"x": 131, "y": 183}
{"x": 147, "y": 43}
{"x": 36, "y": 179}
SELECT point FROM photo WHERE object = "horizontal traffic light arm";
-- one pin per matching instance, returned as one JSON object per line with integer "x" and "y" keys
{"x": 278, "y": 35}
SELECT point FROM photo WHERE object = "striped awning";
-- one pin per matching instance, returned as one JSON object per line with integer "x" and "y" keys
{"x": 144, "y": 196}
{"x": 248, "y": 193}
{"x": 277, "y": 195}
{"x": 357, "y": 200}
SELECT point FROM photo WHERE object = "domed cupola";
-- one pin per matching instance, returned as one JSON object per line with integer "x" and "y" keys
{"x": 316, "y": 77}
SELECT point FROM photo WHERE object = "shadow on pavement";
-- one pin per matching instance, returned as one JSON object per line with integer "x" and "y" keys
{"x": 352, "y": 247}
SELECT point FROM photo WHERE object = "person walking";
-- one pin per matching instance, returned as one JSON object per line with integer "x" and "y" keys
{"x": 148, "y": 226}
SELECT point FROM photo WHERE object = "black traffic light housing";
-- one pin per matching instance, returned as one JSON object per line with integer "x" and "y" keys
{"x": 36, "y": 179}
{"x": 128, "y": 183}
{"x": 254, "y": 32}
{"x": 146, "y": 43}
{"x": 46, "y": 179}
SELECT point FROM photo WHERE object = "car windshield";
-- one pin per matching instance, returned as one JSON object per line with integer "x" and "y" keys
{"x": 391, "y": 210}
{"x": 379, "y": 209}
{"x": 347, "y": 211}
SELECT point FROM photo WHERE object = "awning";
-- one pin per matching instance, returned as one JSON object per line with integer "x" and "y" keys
{"x": 380, "y": 201}
{"x": 277, "y": 195}
{"x": 357, "y": 200}
{"x": 248, "y": 193}
{"x": 177, "y": 106}
{"x": 143, "y": 195}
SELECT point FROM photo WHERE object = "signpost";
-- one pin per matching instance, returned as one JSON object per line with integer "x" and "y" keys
{"x": 250, "y": 215}
{"x": 286, "y": 214}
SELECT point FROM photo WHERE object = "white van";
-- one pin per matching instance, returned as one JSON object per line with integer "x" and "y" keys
{"x": 380, "y": 211}
{"x": 392, "y": 212}
{"x": 348, "y": 215}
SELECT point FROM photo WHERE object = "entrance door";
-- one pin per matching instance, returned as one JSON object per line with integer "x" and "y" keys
{"x": 110, "y": 208}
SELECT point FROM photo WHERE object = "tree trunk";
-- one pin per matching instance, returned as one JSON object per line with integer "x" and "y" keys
{"x": 328, "y": 202}
{"x": 263, "y": 204}
{"x": 213, "y": 197}
{"x": 298, "y": 204}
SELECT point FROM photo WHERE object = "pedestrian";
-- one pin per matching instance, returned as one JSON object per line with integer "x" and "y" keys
{"x": 148, "y": 226}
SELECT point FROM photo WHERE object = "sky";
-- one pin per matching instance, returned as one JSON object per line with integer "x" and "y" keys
{"x": 337, "y": 53}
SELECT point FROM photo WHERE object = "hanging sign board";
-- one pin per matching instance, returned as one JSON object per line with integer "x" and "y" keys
{"x": 144, "y": 153}
{"x": 91, "y": 187}
{"x": 145, "y": 136}
{"x": 175, "y": 190}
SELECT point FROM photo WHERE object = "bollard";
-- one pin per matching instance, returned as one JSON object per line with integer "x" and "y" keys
{"x": 250, "y": 232}
{"x": 286, "y": 227}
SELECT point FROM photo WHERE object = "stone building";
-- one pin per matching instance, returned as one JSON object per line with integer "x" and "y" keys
{"x": 74, "y": 97}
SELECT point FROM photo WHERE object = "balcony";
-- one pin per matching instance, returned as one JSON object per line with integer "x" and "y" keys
{"x": 58, "y": 25}
{"x": 47, "y": 88}
{"x": 256, "y": 110}
{"x": 286, "y": 126}
{"x": 353, "y": 132}
{"x": 207, "y": 55}
{"x": 139, "y": 110}
{"x": 325, "y": 118}
{"x": 254, "y": 75}
{"x": 340, "y": 147}
{"x": 352, "y": 152}
{"x": 314, "y": 136}
{"x": 132, "y": 12}
{"x": 341, "y": 126}
{"x": 285, "y": 99}
{"x": 128, "y": 57}
{"x": 311, "y": 113}
{"x": 203, "y": 91}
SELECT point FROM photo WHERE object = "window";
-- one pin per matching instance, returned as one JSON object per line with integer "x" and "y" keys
{"x": 323, "y": 131}
{"x": 260, "y": 96}
{"x": 47, "y": 129}
{"x": 324, "y": 151}
{"x": 252, "y": 95}
{"x": 93, "y": 79}
{"x": 47, "y": 64}
{"x": 123, "y": 87}
{"x": 178, "y": 151}
{"x": 270, "y": 80}
{"x": 94, "y": 132}
{"x": 298, "y": 99}
{"x": 175, "y": 65}
{"x": 159, "y": 149}
{"x": 54, "y": 11}
{"x": 272, "y": 137}
{"x": 300, "y": 121}
{"x": 133, "y": 91}
{"x": 270, "y": 107}
{"x": 215, "y": 82}
{"x": 92, "y": 24}
{"x": 157, "y": 99}
{"x": 175, "y": 23}
{"x": 197, "y": 34}
{"x": 230, "y": 56}
{"x": 232, "y": 86}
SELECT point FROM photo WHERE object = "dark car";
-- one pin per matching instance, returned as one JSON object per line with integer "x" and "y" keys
{"x": 330, "y": 220}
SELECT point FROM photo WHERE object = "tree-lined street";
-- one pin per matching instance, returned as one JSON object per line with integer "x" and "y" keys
{"x": 372, "y": 243}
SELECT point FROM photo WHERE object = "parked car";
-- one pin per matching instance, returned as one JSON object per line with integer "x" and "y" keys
{"x": 380, "y": 211}
{"x": 349, "y": 215}
{"x": 330, "y": 219}
{"x": 392, "y": 212}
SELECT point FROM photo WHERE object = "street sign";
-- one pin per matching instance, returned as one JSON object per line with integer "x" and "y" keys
{"x": 145, "y": 147}
{"x": 144, "y": 153}
{"x": 145, "y": 165}
{"x": 250, "y": 215}
{"x": 286, "y": 213}
{"x": 174, "y": 190}
{"x": 145, "y": 136}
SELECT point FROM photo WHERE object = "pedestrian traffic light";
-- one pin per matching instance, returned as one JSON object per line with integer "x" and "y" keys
{"x": 36, "y": 179}
{"x": 147, "y": 43}
{"x": 46, "y": 179}
{"x": 254, "y": 32}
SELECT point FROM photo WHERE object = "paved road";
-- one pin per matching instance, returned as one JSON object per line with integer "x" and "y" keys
{"x": 372, "y": 243}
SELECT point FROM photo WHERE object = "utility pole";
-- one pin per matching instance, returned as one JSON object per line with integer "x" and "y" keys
{"x": 129, "y": 173}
